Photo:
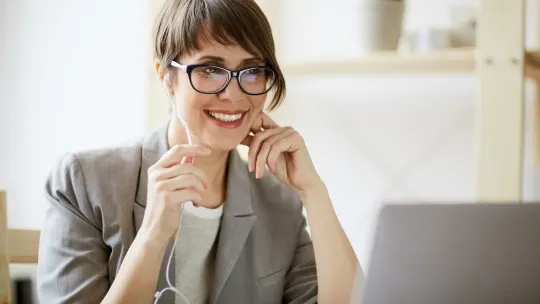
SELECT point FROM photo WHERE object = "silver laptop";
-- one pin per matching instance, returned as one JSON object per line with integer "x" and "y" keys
{"x": 462, "y": 253}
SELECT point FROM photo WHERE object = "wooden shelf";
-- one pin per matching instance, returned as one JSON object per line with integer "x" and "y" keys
{"x": 463, "y": 60}
{"x": 445, "y": 61}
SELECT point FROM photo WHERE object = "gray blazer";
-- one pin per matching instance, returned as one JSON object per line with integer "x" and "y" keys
{"x": 96, "y": 202}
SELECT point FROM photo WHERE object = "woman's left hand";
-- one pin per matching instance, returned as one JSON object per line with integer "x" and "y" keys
{"x": 285, "y": 153}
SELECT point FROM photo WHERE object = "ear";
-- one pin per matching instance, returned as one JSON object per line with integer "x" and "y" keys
{"x": 157, "y": 65}
{"x": 161, "y": 75}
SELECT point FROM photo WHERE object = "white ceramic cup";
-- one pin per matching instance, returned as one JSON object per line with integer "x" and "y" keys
{"x": 380, "y": 23}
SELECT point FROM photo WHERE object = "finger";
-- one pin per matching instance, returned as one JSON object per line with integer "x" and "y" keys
{"x": 274, "y": 152}
{"x": 257, "y": 124}
{"x": 178, "y": 152}
{"x": 285, "y": 144}
{"x": 175, "y": 170}
{"x": 184, "y": 181}
{"x": 265, "y": 149}
{"x": 267, "y": 122}
{"x": 263, "y": 122}
{"x": 185, "y": 195}
{"x": 256, "y": 143}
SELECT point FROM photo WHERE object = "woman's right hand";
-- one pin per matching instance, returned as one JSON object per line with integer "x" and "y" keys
{"x": 172, "y": 181}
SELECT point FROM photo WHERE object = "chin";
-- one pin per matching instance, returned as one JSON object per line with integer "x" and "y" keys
{"x": 222, "y": 144}
{"x": 225, "y": 129}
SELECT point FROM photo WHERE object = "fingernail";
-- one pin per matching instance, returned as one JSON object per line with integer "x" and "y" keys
{"x": 206, "y": 151}
{"x": 250, "y": 168}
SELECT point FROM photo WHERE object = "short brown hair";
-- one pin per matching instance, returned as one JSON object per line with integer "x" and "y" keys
{"x": 241, "y": 22}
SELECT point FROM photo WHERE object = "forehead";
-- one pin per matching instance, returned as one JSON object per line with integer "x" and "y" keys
{"x": 228, "y": 49}
{"x": 232, "y": 50}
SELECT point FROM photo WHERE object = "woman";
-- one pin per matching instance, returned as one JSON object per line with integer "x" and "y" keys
{"x": 113, "y": 214}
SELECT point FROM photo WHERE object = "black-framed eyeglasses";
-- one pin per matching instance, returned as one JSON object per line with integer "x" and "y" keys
{"x": 212, "y": 79}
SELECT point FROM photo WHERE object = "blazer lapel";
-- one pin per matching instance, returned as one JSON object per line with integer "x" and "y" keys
{"x": 237, "y": 222}
{"x": 153, "y": 147}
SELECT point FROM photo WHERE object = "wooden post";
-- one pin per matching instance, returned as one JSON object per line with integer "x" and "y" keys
{"x": 23, "y": 245}
{"x": 5, "y": 286}
{"x": 500, "y": 106}
{"x": 536, "y": 132}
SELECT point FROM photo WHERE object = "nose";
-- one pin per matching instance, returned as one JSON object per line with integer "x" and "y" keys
{"x": 232, "y": 92}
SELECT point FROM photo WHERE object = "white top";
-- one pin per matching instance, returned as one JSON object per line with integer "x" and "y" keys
{"x": 195, "y": 253}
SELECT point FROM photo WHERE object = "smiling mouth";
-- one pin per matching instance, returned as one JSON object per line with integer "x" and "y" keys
{"x": 226, "y": 117}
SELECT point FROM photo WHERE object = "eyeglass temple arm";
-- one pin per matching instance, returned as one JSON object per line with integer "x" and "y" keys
{"x": 178, "y": 65}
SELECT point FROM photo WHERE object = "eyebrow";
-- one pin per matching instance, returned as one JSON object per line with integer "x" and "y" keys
{"x": 222, "y": 60}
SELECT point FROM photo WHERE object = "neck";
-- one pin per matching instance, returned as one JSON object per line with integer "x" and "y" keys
{"x": 213, "y": 165}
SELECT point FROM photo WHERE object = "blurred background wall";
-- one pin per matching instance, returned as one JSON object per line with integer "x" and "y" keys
{"x": 76, "y": 75}
{"x": 73, "y": 76}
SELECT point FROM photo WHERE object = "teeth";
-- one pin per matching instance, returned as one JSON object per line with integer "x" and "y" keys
{"x": 225, "y": 117}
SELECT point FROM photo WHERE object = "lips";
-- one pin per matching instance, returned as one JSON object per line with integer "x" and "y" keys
{"x": 226, "y": 119}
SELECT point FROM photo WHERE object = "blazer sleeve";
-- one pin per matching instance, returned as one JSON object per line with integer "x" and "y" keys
{"x": 72, "y": 264}
{"x": 301, "y": 280}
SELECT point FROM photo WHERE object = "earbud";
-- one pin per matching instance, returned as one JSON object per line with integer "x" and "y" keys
{"x": 158, "y": 294}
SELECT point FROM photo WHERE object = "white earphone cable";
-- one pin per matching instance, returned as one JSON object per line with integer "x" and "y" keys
{"x": 171, "y": 287}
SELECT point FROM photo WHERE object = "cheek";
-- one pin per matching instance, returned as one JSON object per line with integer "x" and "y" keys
{"x": 257, "y": 105}
{"x": 257, "y": 102}
{"x": 192, "y": 102}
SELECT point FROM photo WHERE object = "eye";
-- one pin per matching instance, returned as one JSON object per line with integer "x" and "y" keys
{"x": 210, "y": 70}
{"x": 255, "y": 71}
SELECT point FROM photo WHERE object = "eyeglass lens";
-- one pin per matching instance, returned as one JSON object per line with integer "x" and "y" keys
{"x": 210, "y": 79}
